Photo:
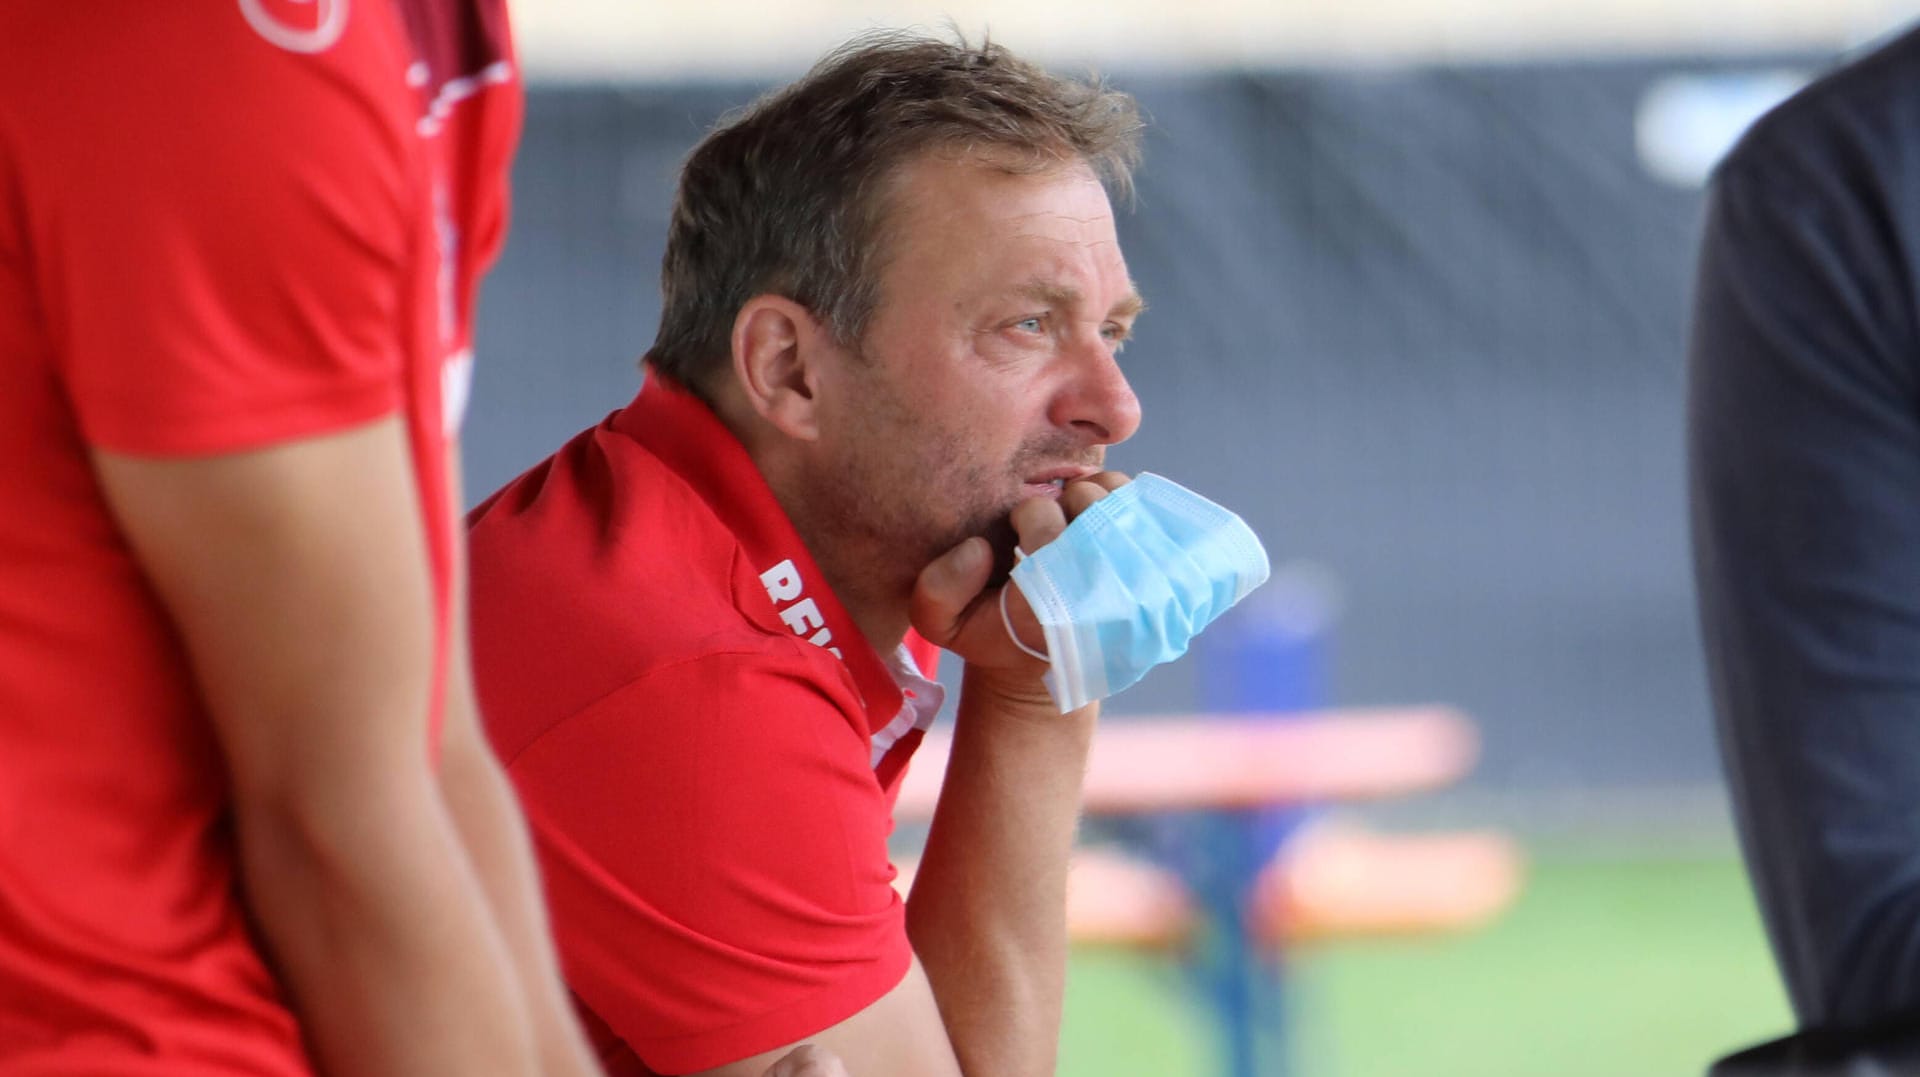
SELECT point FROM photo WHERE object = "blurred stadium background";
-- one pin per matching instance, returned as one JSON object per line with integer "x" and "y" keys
{"x": 1419, "y": 277}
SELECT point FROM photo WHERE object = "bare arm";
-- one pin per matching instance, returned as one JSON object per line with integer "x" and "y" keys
{"x": 988, "y": 911}
{"x": 488, "y": 816}
{"x": 297, "y": 579}
{"x": 494, "y": 834}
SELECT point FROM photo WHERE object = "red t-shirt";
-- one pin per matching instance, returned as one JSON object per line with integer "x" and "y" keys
{"x": 706, "y": 747}
{"x": 223, "y": 225}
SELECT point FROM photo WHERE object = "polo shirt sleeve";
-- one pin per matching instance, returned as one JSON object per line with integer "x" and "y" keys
{"x": 714, "y": 846}
{"x": 222, "y": 245}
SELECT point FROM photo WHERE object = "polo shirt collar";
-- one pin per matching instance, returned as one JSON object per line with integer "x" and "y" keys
{"x": 684, "y": 433}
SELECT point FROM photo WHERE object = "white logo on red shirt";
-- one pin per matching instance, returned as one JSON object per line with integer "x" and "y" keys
{"x": 297, "y": 25}
{"x": 782, "y": 582}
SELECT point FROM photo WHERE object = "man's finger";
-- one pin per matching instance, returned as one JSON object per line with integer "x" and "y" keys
{"x": 1038, "y": 521}
{"x": 947, "y": 588}
{"x": 1082, "y": 493}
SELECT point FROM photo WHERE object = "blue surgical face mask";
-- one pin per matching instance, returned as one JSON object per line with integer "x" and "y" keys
{"x": 1131, "y": 581}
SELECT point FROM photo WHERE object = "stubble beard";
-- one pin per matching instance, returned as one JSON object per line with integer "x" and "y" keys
{"x": 894, "y": 509}
{"x": 907, "y": 513}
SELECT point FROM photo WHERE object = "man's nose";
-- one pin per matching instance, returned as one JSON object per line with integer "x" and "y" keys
{"x": 1097, "y": 402}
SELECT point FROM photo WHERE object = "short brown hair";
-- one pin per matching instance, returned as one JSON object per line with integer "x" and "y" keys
{"x": 789, "y": 195}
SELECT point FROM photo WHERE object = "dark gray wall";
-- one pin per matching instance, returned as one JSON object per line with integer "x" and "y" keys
{"x": 1423, "y": 327}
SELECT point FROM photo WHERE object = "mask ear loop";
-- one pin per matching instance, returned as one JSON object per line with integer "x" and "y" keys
{"x": 1007, "y": 620}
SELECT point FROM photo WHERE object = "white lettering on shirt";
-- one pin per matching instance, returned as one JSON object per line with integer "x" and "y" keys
{"x": 801, "y": 613}
{"x": 803, "y": 617}
{"x": 782, "y": 582}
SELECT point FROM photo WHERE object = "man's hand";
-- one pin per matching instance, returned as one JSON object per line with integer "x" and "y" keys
{"x": 953, "y": 606}
{"x": 987, "y": 915}
{"x": 808, "y": 1060}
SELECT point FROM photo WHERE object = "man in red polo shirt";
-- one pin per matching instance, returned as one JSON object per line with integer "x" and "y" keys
{"x": 893, "y": 298}
{"x": 248, "y": 824}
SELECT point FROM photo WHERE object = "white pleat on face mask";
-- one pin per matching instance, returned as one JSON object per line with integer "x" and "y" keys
{"x": 1131, "y": 581}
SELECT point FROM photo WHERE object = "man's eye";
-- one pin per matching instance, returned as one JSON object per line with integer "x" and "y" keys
{"x": 1034, "y": 324}
{"x": 1115, "y": 334}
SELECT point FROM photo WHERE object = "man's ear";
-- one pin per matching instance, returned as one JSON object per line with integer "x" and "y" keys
{"x": 776, "y": 349}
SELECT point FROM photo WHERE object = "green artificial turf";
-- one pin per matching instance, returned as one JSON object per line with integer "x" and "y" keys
{"x": 1603, "y": 967}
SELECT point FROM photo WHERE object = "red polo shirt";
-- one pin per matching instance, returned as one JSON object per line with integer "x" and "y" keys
{"x": 706, "y": 747}
{"x": 223, "y": 226}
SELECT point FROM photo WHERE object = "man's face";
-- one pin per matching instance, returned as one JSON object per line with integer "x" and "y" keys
{"x": 987, "y": 373}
